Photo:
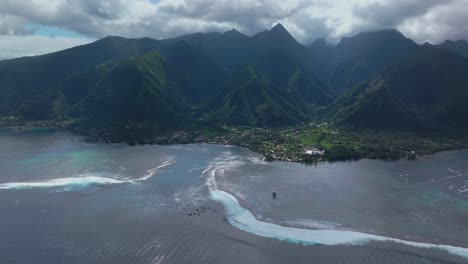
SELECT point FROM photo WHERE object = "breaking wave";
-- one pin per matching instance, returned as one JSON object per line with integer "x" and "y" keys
{"x": 84, "y": 180}
{"x": 320, "y": 233}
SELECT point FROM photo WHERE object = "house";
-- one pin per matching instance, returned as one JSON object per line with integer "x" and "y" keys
{"x": 315, "y": 152}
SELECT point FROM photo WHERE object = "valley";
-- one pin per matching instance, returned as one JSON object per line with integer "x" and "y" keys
{"x": 375, "y": 95}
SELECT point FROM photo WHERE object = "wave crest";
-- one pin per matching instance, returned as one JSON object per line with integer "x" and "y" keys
{"x": 84, "y": 180}
{"x": 321, "y": 234}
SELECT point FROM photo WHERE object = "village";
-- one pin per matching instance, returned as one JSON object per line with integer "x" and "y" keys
{"x": 308, "y": 143}
{"x": 274, "y": 144}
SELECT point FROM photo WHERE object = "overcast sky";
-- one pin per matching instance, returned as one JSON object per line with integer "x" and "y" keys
{"x": 31, "y": 27}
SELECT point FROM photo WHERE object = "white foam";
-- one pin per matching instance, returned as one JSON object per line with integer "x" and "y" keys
{"x": 311, "y": 224}
{"x": 78, "y": 181}
{"x": 243, "y": 219}
{"x": 211, "y": 179}
{"x": 83, "y": 180}
{"x": 152, "y": 172}
{"x": 322, "y": 234}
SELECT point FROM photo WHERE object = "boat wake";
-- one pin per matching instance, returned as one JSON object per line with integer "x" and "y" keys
{"x": 84, "y": 180}
{"x": 326, "y": 234}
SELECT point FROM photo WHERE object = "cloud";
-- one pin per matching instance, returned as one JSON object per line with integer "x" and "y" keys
{"x": 19, "y": 46}
{"x": 439, "y": 24}
{"x": 422, "y": 20}
{"x": 392, "y": 14}
{"x": 12, "y": 25}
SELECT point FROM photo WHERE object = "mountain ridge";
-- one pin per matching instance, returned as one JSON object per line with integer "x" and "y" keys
{"x": 198, "y": 77}
{"x": 425, "y": 90}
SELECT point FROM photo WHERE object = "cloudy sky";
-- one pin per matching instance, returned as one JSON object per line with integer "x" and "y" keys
{"x": 31, "y": 27}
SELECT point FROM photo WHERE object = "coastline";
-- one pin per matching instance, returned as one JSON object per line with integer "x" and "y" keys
{"x": 288, "y": 144}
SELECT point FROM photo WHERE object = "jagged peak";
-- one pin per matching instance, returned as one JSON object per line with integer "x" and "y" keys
{"x": 234, "y": 32}
{"x": 278, "y": 33}
{"x": 279, "y": 27}
{"x": 426, "y": 44}
{"x": 280, "y": 30}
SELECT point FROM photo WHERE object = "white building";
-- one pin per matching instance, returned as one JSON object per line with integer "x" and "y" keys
{"x": 315, "y": 152}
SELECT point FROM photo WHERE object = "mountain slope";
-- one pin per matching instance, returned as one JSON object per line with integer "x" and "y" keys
{"x": 277, "y": 55}
{"x": 92, "y": 77}
{"x": 366, "y": 54}
{"x": 397, "y": 84}
{"x": 459, "y": 46}
{"x": 228, "y": 50}
{"x": 274, "y": 52}
{"x": 250, "y": 100}
{"x": 197, "y": 76}
{"x": 24, "y": 78}
{"x": 134, "y": 89}
{"x": 308, "y": 91}
{"x": 358, "y": 58}
{"x": 427, "y": 90}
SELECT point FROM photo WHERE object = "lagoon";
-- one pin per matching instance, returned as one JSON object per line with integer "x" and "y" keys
{"x": 67, "y": 201}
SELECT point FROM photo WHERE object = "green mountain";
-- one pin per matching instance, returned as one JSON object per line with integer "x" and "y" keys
{"x": 195, "y": 73}
{"x": 459, "y": 46}
{"x": 381, "y": 80}
{"x": 429, "y": 90}
{"x": 278, "y": 55}
{"x": 251, "y": 100}
{"x": 25, "y": 78}
{"x": 134, "y": 89}
{"x": 111, "y": 79}
{"x": 229, "y": 50}
{"x": 320, "y": 59}
{"x": 358, "y": 58}
{"x": 302, "y": 89}
{"x": 274, "y": 52}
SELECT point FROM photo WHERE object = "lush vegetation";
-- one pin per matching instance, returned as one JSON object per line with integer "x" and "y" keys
{"x": 426, "y": 91}
{"x": 378, "y": 94}
{"x": 377, "y": 144}
{"x": 291, "y": 143}
{"x": 251, "y": 100}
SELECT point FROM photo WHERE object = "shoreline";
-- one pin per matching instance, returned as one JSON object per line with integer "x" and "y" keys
{"x": 285, "y": 144}
{"x": 241, "y": 202}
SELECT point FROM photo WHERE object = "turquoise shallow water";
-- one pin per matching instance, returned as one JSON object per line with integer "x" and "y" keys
{"x": 69, "y": 201}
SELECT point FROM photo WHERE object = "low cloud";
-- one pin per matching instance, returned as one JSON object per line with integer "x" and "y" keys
{"x": 19, "y": 46}
{"x": 394, "y": 13}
